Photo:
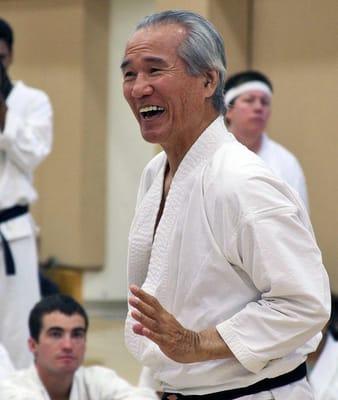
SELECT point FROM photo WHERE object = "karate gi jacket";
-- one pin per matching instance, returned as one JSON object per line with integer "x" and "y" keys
{"x": 6, "y": 366}
{"x": 90, "y": 383}
{"x": 25, "y": 141}
{"x": 235, "y": 250}
{"x": 285, "y": 165}
{"x": 324, "y": 376}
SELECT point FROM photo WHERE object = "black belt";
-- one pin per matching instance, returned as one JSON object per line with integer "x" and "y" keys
{"x": 261, "y": 386}
{"x": 6, "y": 215}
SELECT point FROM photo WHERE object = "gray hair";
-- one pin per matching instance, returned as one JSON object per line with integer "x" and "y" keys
{"x": 202, "y": 49}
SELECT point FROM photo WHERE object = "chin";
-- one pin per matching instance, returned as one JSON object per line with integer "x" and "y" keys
{"x": 152, "y": 137}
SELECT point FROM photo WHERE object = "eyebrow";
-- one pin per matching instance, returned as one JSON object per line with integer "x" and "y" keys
{"x": 55, "y": 328}
{"x": 79, "y": 329}
{"x": 148, "y": 59}
{"x": 58, "y": 328}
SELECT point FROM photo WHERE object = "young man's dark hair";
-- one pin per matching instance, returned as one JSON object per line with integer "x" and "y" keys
{"x": 6, "y": 33}
{"x": 244, "y": 77}
{"x": 58, "y": 302}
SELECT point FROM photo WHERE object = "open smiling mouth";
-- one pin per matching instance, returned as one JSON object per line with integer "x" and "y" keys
{"x": 149, "y": 112}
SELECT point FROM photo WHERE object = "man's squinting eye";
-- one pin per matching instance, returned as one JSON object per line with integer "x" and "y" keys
{"x": 128, "y": 74}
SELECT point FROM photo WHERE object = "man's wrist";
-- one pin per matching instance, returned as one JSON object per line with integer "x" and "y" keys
{"x": 212, "y": 346}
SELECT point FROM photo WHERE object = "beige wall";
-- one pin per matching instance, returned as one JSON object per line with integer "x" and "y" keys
{"x": 199, "y": 6}
{"x": 231, "y": 18}
{"x": 296, "y": 44}
{"x": 127, "y": 153}
{"x": 61, "y": 48}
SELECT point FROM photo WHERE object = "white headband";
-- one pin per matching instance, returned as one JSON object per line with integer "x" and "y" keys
{"x": 245, "y": 87}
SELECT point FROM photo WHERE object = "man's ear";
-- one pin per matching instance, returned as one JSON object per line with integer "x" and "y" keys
{"x": 32, "y": 345}
{"x": 210, "y": 82}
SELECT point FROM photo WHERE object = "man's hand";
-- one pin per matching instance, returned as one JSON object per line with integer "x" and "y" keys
{"x": 176, "y": 342}
{"x": 161, "y": 327}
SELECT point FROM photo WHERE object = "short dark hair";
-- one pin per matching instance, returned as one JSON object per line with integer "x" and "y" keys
{"x": 56, "y": 302}
{"x": 6, "y": 33}
{"x": 244, "y": 77}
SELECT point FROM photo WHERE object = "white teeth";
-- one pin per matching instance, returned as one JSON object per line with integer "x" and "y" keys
{"x": 151, "y": 108}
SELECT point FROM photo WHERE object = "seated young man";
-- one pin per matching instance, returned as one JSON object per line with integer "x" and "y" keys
{"x": 58, "y": 326}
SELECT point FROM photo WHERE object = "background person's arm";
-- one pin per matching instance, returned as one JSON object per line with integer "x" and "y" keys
{"x": 27, "y": 136}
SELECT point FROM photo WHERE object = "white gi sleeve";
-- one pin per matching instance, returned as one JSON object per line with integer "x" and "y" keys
{"x": 147, "y": 380}
{"x": 15, "y": 392}
{"x": 6, "y": 366}
{"x": 270, "y": 237}
{"x": 105, "y": 384}
{"x": 27, "y": 139}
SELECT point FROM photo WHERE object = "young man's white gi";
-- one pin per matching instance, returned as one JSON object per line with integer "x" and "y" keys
{"x": 90, "y": 383}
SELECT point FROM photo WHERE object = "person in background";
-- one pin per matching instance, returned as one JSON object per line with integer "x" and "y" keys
{"x": 247, "y": 97}
{"x": 323, "y": 363}
{"x": 58, "y": 327}
{"x": 228, "y": 292}
{"x": 25, "y": 141}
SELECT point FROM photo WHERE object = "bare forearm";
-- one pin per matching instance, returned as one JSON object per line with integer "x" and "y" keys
{"x": 212, "y": 346}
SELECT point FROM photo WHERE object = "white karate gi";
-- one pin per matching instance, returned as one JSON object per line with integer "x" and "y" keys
{"x": 90, "y": 383}
{"x": 24, "y": 142}
{"x": 234, "y": 249}
{"x": 6, "y": 366}
{"x": 285, "y": 165}
{"x": 324, "y": 376}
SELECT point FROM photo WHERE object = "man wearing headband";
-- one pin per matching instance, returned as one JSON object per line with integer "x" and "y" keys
{"x": 247, "y": 99}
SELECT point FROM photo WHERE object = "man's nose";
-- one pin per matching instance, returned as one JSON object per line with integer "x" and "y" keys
{"x": 67, "y": 342}
{"x": 141, "y": 87}
{"x": 258, "y": 105}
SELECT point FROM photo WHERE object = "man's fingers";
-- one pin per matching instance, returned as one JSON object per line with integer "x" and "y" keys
{"x": 139, "y": 329}
{"x": 144, "y": 308}
{"x": 145, "y": 321}
{"x": 145, "y": 297}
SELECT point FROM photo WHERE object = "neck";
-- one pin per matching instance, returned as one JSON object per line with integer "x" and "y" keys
{"x": 176, "y": 151}
{"x": 58, "y": 386}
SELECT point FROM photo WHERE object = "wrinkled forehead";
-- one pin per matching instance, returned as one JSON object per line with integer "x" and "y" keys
{"x": 155, "y": 37}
